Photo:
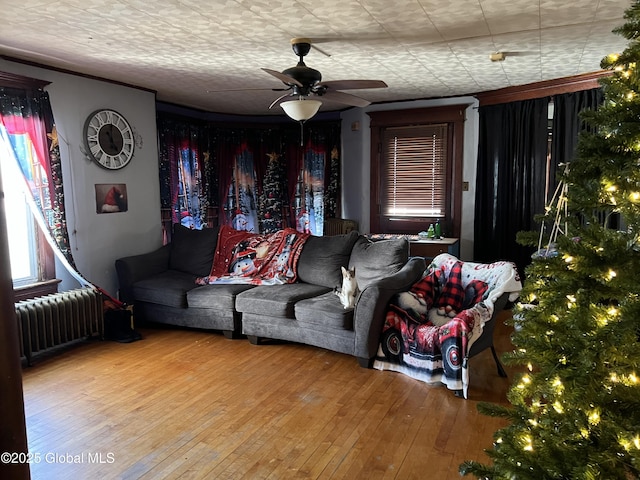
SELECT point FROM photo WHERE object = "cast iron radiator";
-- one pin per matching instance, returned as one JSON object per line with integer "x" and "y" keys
{"x": 57, "y": 319}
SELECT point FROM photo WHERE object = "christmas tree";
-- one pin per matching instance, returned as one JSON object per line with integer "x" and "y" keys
{"x": 270, "y": 202}
{"x": 575, "y": 405}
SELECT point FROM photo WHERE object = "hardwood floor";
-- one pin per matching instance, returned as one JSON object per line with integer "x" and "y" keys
{"x": 192, "y": 404}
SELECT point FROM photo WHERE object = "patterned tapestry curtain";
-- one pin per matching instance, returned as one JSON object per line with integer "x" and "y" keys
{"x": 241, "y": 202}
{"x": 313, "y": 177}
{"x": 308, "y": 196}
{"x": 260, "y": 177}
{"x": 27, "y": 121}
{"x": 332, "y": 195}
{"x": 186, "y": 191}
{"x": 272, "y": 200}
{"x": 242, "y": 155}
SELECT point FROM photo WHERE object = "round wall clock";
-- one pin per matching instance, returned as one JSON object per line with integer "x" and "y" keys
{"x": 108, "y": 138}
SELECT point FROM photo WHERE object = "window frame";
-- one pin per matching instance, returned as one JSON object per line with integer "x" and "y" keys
{"x": 454, "y": 117}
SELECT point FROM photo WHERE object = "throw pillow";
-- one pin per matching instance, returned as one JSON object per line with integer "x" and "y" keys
{"x": 376, "y": 260}
{"x": 322, "y": 257}
{"x": 192, "y": 250}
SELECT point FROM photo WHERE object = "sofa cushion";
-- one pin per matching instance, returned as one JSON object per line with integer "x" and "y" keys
{"x": 375, "y": 260}
{"x": 276, "y": 300}
{"x": 192, "y": 250}
{"x": 322, "y": 257}
{"x": 167, "y": 288}
{"x": 324, "y": 311}
{"x": 219, "y": 297}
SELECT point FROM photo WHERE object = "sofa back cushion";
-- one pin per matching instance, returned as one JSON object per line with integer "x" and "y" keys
{"x": 376, "y": 260}
{"x": 322, "y": 257}
{"x": 192, "y": 250}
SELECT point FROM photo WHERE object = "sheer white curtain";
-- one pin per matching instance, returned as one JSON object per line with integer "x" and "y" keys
{"x": 12, "y": 175}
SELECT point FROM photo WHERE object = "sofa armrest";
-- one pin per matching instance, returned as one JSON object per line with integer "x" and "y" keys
{"x": 372, "y": 304}
{"x": 136, "y": 267}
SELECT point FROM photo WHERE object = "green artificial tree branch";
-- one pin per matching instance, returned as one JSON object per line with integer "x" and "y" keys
{"x": 574, "y": 408}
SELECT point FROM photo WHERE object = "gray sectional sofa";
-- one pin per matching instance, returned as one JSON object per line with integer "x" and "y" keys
{"x": 161, "y": 286}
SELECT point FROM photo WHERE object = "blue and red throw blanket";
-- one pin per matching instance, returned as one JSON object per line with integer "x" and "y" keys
{"x": 429, "y": 329}
{"x": 248, "y": 258}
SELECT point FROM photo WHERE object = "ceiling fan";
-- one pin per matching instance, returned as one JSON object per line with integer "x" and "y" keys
{"x": 303, "y": 82}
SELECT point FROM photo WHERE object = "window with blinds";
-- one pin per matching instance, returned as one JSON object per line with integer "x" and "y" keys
{"x": 414, "y": 171}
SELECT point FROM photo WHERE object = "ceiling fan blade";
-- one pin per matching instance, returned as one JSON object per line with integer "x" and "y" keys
{"x": 353, "y": 84}
{"x": 225, "y": 90}
{"x": 345, "y": 98}
{"x": 282, "y": 77}
{"x": 275, "y": 102}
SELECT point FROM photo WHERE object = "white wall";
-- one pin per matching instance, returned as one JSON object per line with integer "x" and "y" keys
{"x": 356, "y": 160}
{"x": 98, "y": 239}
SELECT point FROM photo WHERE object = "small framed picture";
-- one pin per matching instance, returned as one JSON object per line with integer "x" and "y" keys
{"x": 111, "y": 197}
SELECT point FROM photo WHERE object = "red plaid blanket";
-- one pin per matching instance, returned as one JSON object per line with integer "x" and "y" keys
{"x": 440, "y": 289}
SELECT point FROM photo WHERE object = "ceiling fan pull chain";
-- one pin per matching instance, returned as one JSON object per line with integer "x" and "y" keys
{"x": 301, "y": 133}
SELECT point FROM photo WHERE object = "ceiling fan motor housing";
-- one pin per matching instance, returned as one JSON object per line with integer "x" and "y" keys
{"x": 307, "y": 76}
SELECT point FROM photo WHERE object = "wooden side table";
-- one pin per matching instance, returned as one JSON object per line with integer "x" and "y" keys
{"x": 430, "y": 248}
{"x": 419, "y": 247}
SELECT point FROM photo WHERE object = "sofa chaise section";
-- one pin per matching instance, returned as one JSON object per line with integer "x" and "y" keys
{"x": 382, "y": 269}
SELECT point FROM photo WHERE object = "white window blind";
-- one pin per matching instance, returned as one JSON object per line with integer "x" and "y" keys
{"x": 414, "y": 171}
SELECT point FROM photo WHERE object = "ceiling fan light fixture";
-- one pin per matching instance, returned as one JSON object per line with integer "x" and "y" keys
{"x": 301, "y": 110}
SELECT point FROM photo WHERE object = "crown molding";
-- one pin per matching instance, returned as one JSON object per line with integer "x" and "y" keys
{"x": 546, "y": 88}
{"x": 19, "y": 81}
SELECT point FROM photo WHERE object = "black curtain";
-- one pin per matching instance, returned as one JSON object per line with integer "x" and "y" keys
{"x": 567, "y": 123}
{"x": 511, "y": 176}
{"x": 512, "y": 179}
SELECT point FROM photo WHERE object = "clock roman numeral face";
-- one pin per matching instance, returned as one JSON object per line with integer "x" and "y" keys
{"x": 109, "y": 139}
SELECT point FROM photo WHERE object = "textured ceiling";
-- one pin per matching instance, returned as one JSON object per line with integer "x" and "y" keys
{"x": 209, "y": 54}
